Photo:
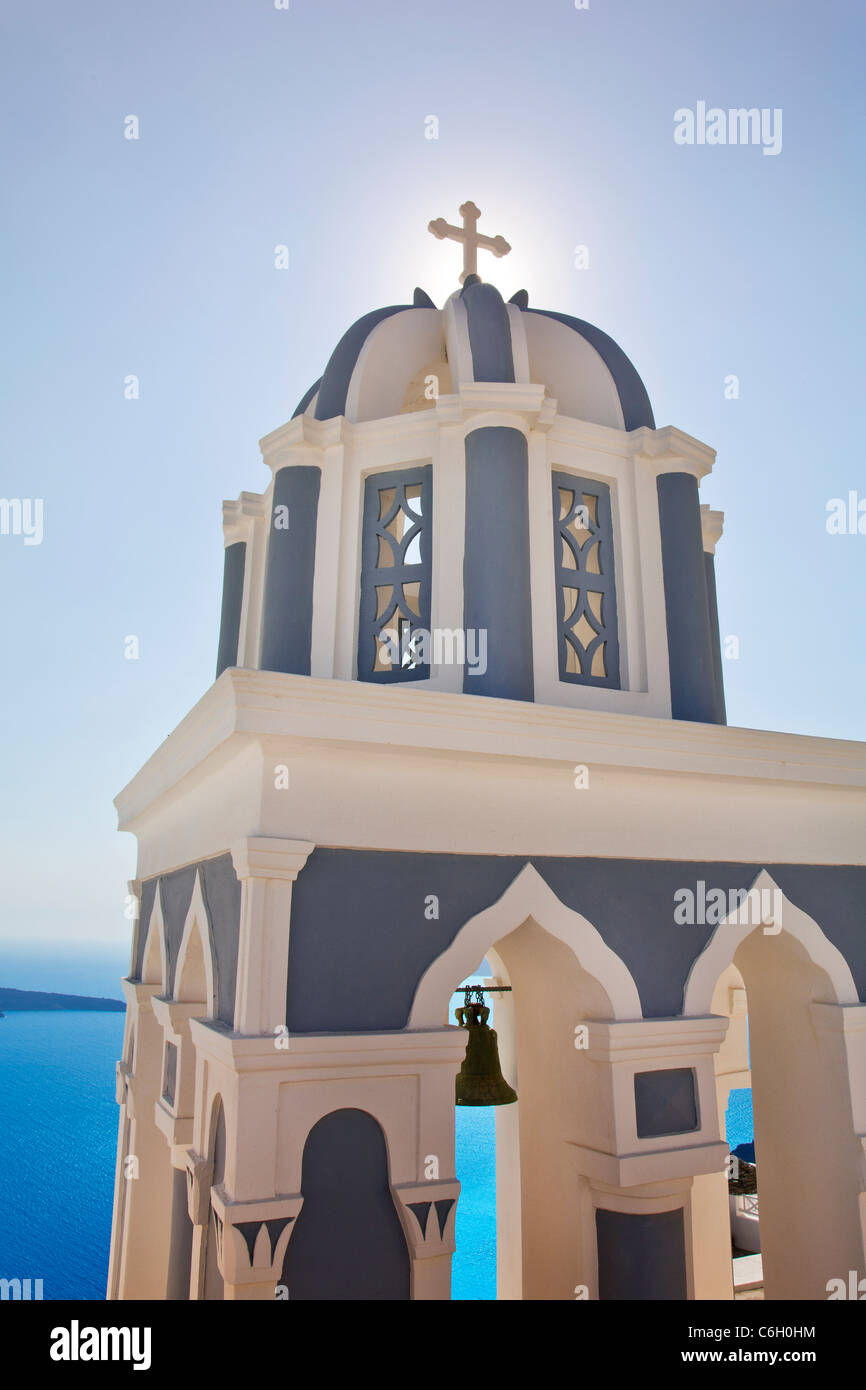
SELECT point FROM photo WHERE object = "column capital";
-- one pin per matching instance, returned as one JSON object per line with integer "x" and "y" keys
{"x": 140, "y": 995}
{"x": 654, "y": 1040}
{"x": 639, "y": 1169}
{"x": 240, "y": 515}
{"x": 262, "y": 856}
{"x": 712, "y": 526}
{"x": 252, "y": 1236}
{"x": 428, "y": 1211}
{"x": 174, "y": 1015}
{"x": 669, "y": 450}
{"x": 198, "y": 1180}
{"x": 122, "y": 1078}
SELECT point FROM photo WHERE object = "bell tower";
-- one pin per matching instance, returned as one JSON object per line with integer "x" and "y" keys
{"x": 468, "y": 702}
{"x": 476, "y": 499}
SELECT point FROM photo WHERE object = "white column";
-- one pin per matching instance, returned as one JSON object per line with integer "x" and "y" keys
{"x": 621, "y": 1170}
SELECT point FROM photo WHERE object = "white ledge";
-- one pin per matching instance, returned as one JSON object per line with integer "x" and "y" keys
{"x": 245, "y": 705}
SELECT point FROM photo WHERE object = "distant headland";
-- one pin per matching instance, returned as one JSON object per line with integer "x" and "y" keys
{"x": 33, "y": 1000}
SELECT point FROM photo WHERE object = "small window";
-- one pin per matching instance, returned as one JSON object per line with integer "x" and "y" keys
{"x": 585, "y": 584}
{"x": 394, "y": 626}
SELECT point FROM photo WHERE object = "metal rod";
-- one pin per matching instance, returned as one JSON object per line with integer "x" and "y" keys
{"x": 486, "y": 989}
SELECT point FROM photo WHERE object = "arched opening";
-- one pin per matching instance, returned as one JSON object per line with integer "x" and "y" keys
{"x": 348, "y": 1242}
{"x": 734, "y": 1097}
{"x": 562, "y": 975}
{"x": 153, "y": 969}
{"x": 194, "y": 987}
{"x": 807, "y": 1153}
{"x": 476, "y": 1153}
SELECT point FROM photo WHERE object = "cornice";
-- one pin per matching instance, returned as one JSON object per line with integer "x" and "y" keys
{"x": 244, "y": 705}
{"x": 270, "y": 858}
{"x": 670, "y": 450}
{"x": 712, "y": 526}
{"x": 312, "y": 1053}
{"x": 664, "y": 450}
{"x": 240, "y": 515}
{"x": 647, "y": 1040}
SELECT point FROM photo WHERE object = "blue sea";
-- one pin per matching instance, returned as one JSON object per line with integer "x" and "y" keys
{"x": 58, "y": 1137}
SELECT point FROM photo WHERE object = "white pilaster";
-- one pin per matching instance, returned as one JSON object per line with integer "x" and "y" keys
{"x": 267, "y": 868}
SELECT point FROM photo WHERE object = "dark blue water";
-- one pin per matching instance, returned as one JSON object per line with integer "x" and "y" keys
{"x": 58, "y": 1137}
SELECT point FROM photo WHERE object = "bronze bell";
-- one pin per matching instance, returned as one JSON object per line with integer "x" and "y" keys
{"x": 480, "y": 1080}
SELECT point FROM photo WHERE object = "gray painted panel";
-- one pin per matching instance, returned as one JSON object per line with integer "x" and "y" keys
{"x": 385, "y": 943}
{"x": 641, "y": 1257}
{"x": 287, "y": 608}
{"x": 169, "y": 1073}
{"x": 233, "y": 595}
{"x": 176, "y": 896}
{"x": 489, "y": 333}
{"x": 715, "y": 637}
{"x": 180, "y": 1262}
{"x": 665, "y": 1102}
{"x": 348, "y": 1242}
{"x": 403, "y": 569}
{"x": 334, "y": 386}
{"x": 496, "y": 563}
{"x": 148, "y": 894}
{"x": 221, "y": 891}
{"x": 692, "y": 672}
{"x": 578, "y": 579}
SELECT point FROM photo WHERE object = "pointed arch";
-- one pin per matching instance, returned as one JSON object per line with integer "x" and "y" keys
{"x": 527, "y": 896}
{"x": 195, "y": 976}
{"x": 722, "y": 946}
{"x": 154, "y": 962}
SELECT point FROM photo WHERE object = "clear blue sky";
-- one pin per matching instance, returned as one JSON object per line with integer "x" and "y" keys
{"x": 259, "y": 127}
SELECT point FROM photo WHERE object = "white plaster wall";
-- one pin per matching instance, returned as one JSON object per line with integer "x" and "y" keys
{"x": 396, "y": 349}
{"x": 392, "y": 770}
{"x": 572, "y": 371}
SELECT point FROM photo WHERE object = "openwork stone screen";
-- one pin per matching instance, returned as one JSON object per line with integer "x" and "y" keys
{"x": 395, "y": 576}
{"x": 585, "y": 584}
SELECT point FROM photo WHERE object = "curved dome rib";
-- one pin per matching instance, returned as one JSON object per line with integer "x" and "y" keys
{"x": 636, "y": 407}
{"x": 338, "y": 373}
{"x": 306, "y": 398}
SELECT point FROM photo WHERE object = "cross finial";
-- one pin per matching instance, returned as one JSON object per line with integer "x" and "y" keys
{"x": 471, "y": 238}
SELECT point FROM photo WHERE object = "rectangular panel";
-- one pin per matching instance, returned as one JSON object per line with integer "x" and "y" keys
{"x": 665, "y": 1102}
{"x": 641, "y": 1257}
{"x": 586, "y": 616}
{"x": 396, "y": 549}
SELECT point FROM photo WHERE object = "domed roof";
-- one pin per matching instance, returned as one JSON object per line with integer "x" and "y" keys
{"x": 582, "y": 367}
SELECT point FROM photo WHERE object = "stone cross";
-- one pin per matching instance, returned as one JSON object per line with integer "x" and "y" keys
{"x": 471, "y": 238}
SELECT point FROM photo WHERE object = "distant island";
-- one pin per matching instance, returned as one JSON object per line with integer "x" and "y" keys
{"x": 32, "y": 1000}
